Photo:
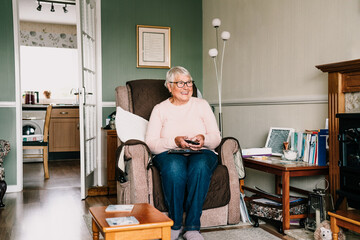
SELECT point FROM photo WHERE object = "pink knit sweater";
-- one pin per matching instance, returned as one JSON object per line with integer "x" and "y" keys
{"x": 168, "y": 121}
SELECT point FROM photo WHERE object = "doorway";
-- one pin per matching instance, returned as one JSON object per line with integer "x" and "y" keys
{"x": 88, "y": 26}
{"x": 49, "y": 72}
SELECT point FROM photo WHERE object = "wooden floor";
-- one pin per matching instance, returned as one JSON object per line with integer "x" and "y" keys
{"x": 48, "y": 209}
{"x": 52, "y": 209}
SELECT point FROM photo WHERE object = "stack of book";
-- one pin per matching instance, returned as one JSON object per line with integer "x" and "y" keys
{"x": 249, "y": 152}
{"x": 311, "y": 146}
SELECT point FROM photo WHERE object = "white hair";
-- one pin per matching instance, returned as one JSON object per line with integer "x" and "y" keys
{"x": 171, "y": 74}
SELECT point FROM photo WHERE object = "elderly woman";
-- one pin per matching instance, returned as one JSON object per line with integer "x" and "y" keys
{"x": 185, "y": 177}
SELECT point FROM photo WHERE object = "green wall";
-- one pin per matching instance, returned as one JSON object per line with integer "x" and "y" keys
{"x": 7, "y": 132}
{"x": 7, "y": 75}
{"x": 7, "y": 89}
{"x": 119, "y": 19}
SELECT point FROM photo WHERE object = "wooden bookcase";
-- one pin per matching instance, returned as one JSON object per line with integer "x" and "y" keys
{"x": 343, "y": 77}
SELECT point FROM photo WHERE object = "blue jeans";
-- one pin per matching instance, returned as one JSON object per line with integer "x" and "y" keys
{"x": 185, "y": 183}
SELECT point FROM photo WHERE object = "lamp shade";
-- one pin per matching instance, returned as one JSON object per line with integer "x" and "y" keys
{"x": 216, "y": 22}
{"x": 213, "y": 52}
{"x": 225, "y": 35}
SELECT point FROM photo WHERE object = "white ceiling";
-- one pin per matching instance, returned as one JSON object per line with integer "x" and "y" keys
{"x": 28, "y": 12}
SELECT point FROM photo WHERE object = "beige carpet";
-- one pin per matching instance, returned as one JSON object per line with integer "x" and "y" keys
{"x": 302, "y": 234}
{"x": 250, "y": 233}
{"x": 241, "y": 232}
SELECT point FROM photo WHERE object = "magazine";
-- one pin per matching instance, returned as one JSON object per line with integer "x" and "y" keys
{"x": 118, "y": 221}
{"x": 119, "y": 208}
{"x": 245, "y": 217}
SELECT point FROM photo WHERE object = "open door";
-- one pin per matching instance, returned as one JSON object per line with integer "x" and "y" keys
{"x": 88, "y": 109}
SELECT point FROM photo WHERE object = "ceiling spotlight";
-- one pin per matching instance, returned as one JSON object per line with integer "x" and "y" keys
{"x": 65, "y": 10}
{"x": 52, "y": 8}
{"x": 39, "y": 7}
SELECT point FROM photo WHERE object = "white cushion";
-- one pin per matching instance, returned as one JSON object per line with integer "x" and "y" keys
{"x": 129, "y": 125}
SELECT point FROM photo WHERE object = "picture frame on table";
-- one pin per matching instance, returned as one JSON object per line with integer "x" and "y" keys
{"x": 276, "y": 138}
{"x": 153, "y": 46}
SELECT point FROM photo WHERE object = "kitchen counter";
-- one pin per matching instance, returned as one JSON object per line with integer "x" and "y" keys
{"x": 44, "y": 106}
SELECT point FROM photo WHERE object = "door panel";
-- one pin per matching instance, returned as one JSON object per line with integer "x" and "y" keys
{"x": 88, "y": 100}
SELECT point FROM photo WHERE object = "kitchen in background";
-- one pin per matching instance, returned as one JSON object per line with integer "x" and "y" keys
{"x": 49, "y": 75}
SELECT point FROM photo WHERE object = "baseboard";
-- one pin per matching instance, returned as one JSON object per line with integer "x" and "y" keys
{"x": 98, "y": 191}
{"x": 13, "y": 188}
{"x": 63, "y": 155}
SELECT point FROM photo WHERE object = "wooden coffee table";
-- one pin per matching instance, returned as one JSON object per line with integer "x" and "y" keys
{"x": 349, "y": 219}
{"x": 153, "y": 223}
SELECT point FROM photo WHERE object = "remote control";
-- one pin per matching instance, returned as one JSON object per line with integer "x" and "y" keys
{"x": 192, "y": 142}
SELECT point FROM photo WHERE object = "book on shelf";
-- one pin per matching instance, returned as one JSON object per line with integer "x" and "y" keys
{"x": 313, "y": 143}
{"x": 323, "y": 137}
{"x": 307, "y": 142}
{"x": 311, "y": 146}
{"x": 297, "y": 142}
{"x": 119, "y": 208}
{"x": 118, "y": 221}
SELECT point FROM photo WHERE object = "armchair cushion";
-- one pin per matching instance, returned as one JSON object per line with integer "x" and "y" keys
{"x": 143, "y": 97}
{"x": 146, "y": 93}
{"x": 218, "y": 194}
{"x": 129, "y": 126}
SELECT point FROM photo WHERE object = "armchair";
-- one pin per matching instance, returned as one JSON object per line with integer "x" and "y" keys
{"x": 143, "y": 183}
{"x": 4, "y": 150}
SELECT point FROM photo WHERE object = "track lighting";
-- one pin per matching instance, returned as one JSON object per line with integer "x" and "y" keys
{"x": 39, "y": 7}
{"x": 65, "y": 10}
{"x": 52, "y": 9}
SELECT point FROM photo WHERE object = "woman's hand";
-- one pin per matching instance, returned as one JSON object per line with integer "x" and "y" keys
{"x": 181, "y": 143}
{"x": 198, "y": 138}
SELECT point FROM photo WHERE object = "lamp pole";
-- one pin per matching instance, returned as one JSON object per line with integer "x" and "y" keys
{"x": 213, "y": 54}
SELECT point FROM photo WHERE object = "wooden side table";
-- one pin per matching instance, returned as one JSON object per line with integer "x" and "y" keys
{"x": 349, "y": 219}
{"x": 283, "y": 172}
{"x": 153, "y": 223}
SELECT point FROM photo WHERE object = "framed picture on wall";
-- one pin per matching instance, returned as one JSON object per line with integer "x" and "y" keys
{"x": 276, "y": 138}
{"x": 153, "y": 47}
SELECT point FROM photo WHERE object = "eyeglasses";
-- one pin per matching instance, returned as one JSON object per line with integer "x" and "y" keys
{"x": 181, "y": 84}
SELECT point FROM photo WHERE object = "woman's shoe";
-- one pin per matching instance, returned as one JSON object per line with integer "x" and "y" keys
{"x": 193, "y": 235}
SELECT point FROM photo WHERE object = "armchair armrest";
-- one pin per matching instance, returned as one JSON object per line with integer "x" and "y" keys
{"x": 136, "y": 157}
{"x": 226, "y": 152}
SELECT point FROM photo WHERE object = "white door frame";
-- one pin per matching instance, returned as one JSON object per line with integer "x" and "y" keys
{"x": 18, "y": 104}
{"x": 97, "y": 179}
{"x": 19, "y": 153}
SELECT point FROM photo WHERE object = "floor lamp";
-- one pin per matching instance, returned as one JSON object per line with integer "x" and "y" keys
{"x": 218, "y": 72}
